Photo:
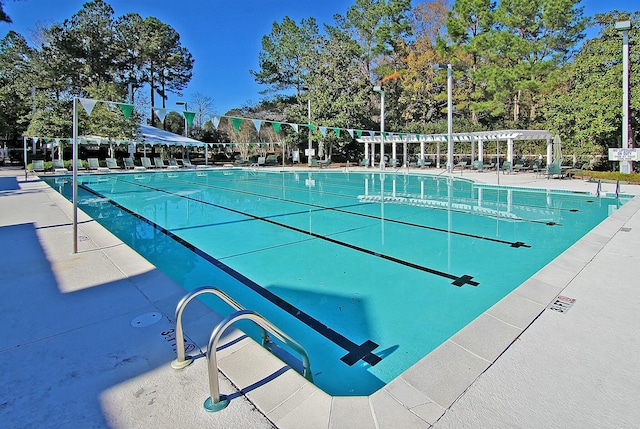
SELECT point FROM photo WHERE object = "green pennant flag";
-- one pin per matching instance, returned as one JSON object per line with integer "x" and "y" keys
{"x": 276, "y": 126}
{"x": 359, "y": 133}
{"x": 337, "y": 131}
{"x": 236, "y": 123}
{"x": 126, "y": 109}
{"x": 400, "y": 135}
{"x": 384, "y": 135}
{"x": 311, "y": 127}
{"x": 189, "y": 117}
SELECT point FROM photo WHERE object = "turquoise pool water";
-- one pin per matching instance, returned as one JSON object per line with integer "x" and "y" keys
{"x": 368, "y": 271}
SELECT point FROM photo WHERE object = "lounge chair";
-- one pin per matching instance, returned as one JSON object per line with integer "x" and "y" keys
{"x": 554, "y": 169}
{"x": 58, "y": 167}
{"x": 240, "y": 161}
{"x": 324, "y": 163}
{"x": 489, "y": 166}
{"x": 461, "y": 165}
{"x": 314, "y": 163}
{"x": 518, "y": 167}
{"x": 146, "y": 162}
{"x": 112, "y": 164}
{"x": 159, "y": 163}
{"x": 37, "y": 166}
{"x": 94, "y": 164}
{"x": 271, "y": 160}
{"x": 173, "y": 164}
{"x": 128, "y": 163}
{"x": 477, "y": 165}
{"x": 506, "y": 167}
{"x": 364, "y": 162}
{"x": 186, "y": 163}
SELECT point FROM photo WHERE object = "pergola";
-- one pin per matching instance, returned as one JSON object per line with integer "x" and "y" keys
{"x": 476, "y": 139}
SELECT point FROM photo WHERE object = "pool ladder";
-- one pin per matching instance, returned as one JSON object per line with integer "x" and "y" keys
{"x": 216, "y": 401}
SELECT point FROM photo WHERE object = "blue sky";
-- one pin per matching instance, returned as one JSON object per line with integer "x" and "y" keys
{"x": 224, "y": 37}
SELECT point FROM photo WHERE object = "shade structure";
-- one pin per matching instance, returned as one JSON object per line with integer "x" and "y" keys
{"x": 155, "y": 136}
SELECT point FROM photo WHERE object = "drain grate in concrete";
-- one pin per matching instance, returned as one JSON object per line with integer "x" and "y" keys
{"x": 625, "y": 229}
{"x": 561, "y": 304}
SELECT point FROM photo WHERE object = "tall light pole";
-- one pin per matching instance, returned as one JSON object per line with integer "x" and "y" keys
{"x": 379, "y": 89}
{"x": 309, "y": 138}
{"x": 625, "y": 26}
{"x": 186, "y": 129}
{"x": 449, "y": 114}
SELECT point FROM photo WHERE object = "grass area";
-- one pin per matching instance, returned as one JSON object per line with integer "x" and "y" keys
{"x": 609, "y": 175}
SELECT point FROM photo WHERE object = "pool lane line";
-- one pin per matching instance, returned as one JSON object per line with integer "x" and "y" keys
{"x": 514, "y": 244}
{"x": 355, "y": 352}
{"x": 457, "y": 280}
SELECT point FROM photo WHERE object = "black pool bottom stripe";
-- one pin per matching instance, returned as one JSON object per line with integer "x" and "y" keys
{"x": 457, "y": 281}
{"x": 355, "y": 352}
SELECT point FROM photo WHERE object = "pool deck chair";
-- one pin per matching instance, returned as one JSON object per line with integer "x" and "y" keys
{"x": 58, "y": 167}
{"x": 159, "y": 163}
{"x": 128, "y": 163}
{"x": 112, "y": 164}
{"x": 186, "y": 163}
{"x": 271, "y": 160}
{"x": 477, "y": 165}
{"x": 94, "y": 164}
{"x": 146, "y": 162}
{"x": 324, "y": 163}
{"x": 37, "y": 166}
{"x": 555, "y": 170}
{"x": 364, "y": 162}
{"x": 506, "y": 167}
{"x": 173, "y": 164}
{"x": 519, "y": 167}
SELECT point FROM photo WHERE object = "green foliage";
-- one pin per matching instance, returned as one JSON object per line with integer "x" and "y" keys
{"x": 586, "y": 104}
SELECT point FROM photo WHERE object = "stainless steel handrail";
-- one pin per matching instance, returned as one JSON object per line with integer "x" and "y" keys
{"x": 182, "y": 361}
{"x": 217, "y": 402}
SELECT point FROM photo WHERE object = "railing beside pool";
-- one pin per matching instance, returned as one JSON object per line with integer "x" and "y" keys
{"x": 217, "y": 402}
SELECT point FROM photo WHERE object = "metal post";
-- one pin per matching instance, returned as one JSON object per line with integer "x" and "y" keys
{"x": 74, "y": 167}
{"x": 449, "y": 119}
{"x": 381, "y": 91}
{"x": 625, "y": 26}
{"x": 309, "y": 138}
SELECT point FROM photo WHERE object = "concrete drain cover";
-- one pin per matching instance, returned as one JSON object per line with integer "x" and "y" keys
{"x": 147, "y": 319}
{"x": 625, "y": 229}
{"x": 561, "y": 304}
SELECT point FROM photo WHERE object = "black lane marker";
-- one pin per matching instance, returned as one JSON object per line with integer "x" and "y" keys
{"x": 339, "y": 210}
{"x": 355, "y": 352}
{"x": 321, "y": 237}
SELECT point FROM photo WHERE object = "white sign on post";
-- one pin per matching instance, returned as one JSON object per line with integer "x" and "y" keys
{"x": 623, "y": 154}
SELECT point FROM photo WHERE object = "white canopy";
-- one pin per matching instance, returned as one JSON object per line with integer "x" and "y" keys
{"x": 154, "y": 136}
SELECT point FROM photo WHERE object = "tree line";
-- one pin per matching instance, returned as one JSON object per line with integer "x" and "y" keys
{"x": 517, "y": 64}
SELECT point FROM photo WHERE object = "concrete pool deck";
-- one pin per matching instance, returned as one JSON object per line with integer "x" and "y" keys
{"x": 87, "y": 341}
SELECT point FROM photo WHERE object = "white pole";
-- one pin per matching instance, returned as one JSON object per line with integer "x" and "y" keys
{"x": 449, "y": 119}
{"x": 382, "y": 130}
{"x": 74, "y": 161}
{"x": 625, "y": 166}
{"x": 309, "y": 139}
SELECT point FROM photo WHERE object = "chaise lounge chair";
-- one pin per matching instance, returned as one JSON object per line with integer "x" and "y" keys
{"x": 159, "y": 163}
{"x": 112, "y": 164}
{"x": 94, "y": 164}
{"x": 146, "y": 162}
{"x": 173, "y": 164}
{"x": 58, "y": 167}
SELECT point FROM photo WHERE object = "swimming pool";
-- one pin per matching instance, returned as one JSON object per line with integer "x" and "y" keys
{"x": 368, "y": 271}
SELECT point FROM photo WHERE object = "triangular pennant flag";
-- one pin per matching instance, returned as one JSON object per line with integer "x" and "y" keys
{"x": 400, "y": 135}
{"x": 126, "y": 109}
{"x": 295, "y": 127}
{"x": 359, "y": 133}
{"x": 257, "y": 123}
{"x": 337, "y": 131}
{"x": 236, "y": 123}
{"x": 350, "y": 131}
{"x": 57, "y": 141}
{"x": 276, "y": 126}
{"x": 160, "y": 113}
{"x": 372, "y": 133}
{"x": 189, "y": 117}
{"x": 310, "y": 126}
{"x": 216, "y": 122}
{"x": 385, "y": 134}
{"x": 323, "y": 131}
{"x": 88, "y": 104}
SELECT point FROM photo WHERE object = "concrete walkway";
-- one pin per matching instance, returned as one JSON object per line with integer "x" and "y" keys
{"x": 86, "y": 338}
